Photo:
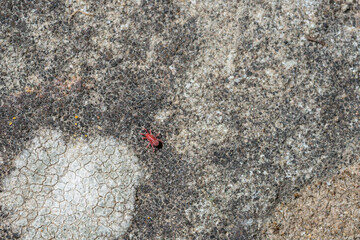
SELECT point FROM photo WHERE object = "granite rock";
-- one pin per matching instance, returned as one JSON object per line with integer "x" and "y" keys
{"x": 254, "y": 100}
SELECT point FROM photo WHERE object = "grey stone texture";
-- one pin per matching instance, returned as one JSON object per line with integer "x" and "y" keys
{"x": 254, "y": 100}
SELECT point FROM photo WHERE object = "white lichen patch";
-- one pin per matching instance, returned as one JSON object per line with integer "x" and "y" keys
{"x": 78, "y": 190}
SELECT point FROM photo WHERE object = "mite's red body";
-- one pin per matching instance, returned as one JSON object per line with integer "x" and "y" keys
{"x": 153, "y": 141}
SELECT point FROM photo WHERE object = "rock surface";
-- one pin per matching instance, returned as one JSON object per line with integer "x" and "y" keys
{"x": 255, "y": 101}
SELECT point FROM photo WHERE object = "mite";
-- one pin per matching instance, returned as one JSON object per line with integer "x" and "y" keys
{"x": 153, "y": 141}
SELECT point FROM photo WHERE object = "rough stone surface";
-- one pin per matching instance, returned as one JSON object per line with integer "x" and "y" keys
{"x": 323, "y": 210}
{"x": 81, "y": 190}
{"x": 254, "y": 100}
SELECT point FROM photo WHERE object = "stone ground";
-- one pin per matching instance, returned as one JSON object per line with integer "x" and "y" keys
{"x": 257, "y": 102}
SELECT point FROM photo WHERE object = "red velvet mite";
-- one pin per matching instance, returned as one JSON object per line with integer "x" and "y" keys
{"x": 153, "y": 141}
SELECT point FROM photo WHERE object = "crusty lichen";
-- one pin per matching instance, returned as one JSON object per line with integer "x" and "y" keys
{"x": 78, "y": 190}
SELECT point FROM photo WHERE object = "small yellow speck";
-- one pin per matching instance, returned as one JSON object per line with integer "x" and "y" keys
{"x": 75, "y": 123}
{"x": 14, "y": 118}
{"x": 10, "y": 123}
{"x": 86, "y": 135}
{"x": 76, "y": 116}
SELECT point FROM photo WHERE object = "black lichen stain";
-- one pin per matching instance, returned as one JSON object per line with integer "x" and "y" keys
{"x": 129, "y": 93}
{"x": 117, "y": 102}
